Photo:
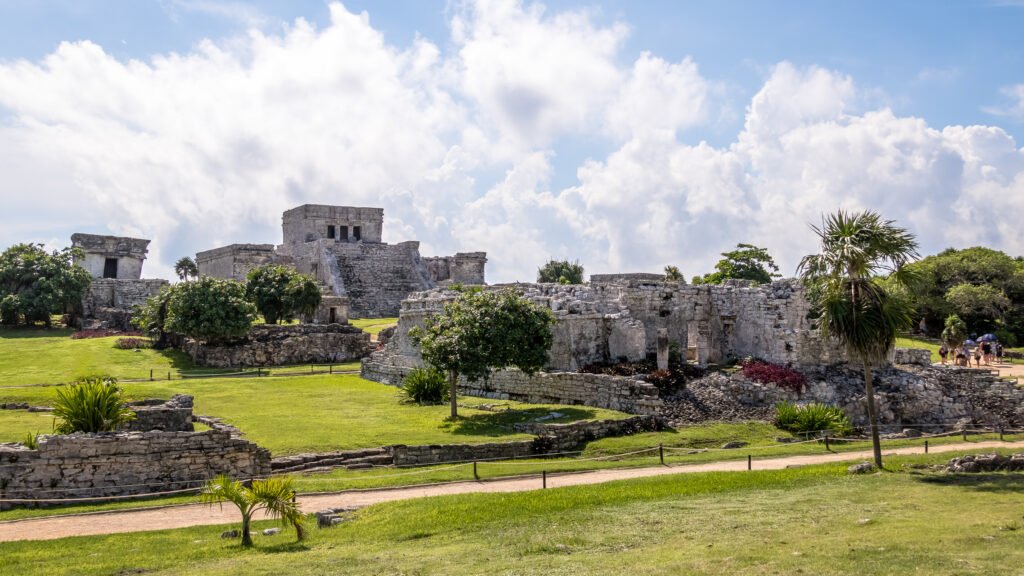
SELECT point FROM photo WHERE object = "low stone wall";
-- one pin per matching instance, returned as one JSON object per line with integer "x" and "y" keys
{"x": 974, "y": 463}
{"x": 550, "y": 438}
{"x": 570, "y": 388}
{"x": 284, "y": 345}
{"x": 116, "y": 464}
{"x": 914, "y": 356}
{"x": 174, "y": 415}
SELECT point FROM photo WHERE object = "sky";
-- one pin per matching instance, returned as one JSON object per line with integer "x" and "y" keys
{"x": 625, "y": 135}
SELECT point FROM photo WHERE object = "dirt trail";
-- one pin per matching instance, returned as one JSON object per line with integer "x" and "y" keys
{"x": 197, "y": 514}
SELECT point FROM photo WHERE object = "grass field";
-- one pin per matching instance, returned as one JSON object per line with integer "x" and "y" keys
{"x": 373, "y": 325}
{"x": 289, "y": 415}
{"x": 815, "y": 520}
{"x": 40, "y": 356}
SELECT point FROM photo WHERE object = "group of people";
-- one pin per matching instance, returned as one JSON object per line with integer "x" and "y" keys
{"x": 982, "y": 352}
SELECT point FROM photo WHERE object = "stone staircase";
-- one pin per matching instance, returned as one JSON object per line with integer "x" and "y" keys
{"x": 348, "y": 459}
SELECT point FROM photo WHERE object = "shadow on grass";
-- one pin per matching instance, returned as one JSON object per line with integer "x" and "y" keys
{"x": 501, "y": 423}
{"x": 996, "y": 482}
{"x": 33, "y": 332}
{"x": 284, "y": 548}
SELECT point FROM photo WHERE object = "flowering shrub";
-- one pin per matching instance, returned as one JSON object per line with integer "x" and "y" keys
{"x": 768, "y": 373}
{"x": 133, "y": 343}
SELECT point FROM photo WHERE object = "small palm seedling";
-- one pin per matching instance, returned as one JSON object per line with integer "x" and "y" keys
{"x": 272, "y": 496}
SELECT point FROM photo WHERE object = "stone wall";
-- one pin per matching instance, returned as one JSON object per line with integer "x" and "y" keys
{"x": 284, "y": 345}
{"x": 235, "y": 261}
{"x": 462, "y": 268}
{"x": 108, "y": 302}
{"x": 310, "y": 222}
{"x": 377, "y": 277}
{"x": 551, "y": 438}
{"x": 174, "y": 415}
{"x": 115, "y": 464}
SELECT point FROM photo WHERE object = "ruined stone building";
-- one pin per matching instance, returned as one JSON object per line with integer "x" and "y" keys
{"x": 115, "y": 264}
{"x": 343, "y": 249}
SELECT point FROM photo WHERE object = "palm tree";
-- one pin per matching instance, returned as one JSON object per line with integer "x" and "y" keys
{"x": 853, "y": 305}
{"x": 186, "y": 268}
{"x": 273, "y": 496}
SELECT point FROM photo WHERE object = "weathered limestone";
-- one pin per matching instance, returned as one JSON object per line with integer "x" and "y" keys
{"x": 174, "y": 415}
{"x": 269, "y": 345}
{"x": 342, "y": 248}
{"x": 111, "y": 256}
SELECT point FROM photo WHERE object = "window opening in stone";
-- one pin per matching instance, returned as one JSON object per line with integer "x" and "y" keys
{"x": 330, "y": 231}
{"x": 334, "y": 316}
{"x": 357, "y": 232}
{"x": 110, "y": 268}
{"x": 344, "y": 233}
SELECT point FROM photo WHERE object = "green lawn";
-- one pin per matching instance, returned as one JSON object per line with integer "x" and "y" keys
{"x": 41, "y": 356}
{"x": 320, "y": 413}
{"x": 373, "y": 325}
{"x": 815, "y": 520}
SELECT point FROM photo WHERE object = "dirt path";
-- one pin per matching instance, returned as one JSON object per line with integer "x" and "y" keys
{"x": 197, "y": 515}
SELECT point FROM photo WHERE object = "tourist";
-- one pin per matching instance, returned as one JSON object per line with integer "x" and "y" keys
{"x": 999, "y": 353}
{"x": 986, "y": 352}
{"x": 943, "y": 352}
{"x": 977, "y": 356}
{"x": 961, "y": 356}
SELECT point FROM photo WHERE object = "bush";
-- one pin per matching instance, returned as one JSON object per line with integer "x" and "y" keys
{"x": 209, "y": 309}
{"x": 31, "y": 441}
{"x": 92, "y": 404}
{"x": 132, "y": 343}
{"x": 812, "y": 418}
{"x": 425, "y": 386}
{"x": 768, "y": 373}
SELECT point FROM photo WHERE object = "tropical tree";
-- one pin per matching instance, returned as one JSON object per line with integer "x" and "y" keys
{"x": 92, "y": 404}
{"x": 186, "y": 268}
{"x": 955, "y": 331}
{"x": 274, "y": 496}
{"x": 672, "y": 273}
{"x": 560, "y": 272}
{"x": 482, "y": 331}
{"x": 209, "y": 309}
{"x": 151, "y": 317}
{"x": 35, "y": 283}
{"x": 746, "y": 262}
{"x": 281, "y": 293}
{"x": 853, "y": 305}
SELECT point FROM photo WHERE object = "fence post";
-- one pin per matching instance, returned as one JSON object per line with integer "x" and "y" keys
{"x": 1000, "y": 433}
{"x": 259, "y": 371}
{"x": 750, "y": 462}
{"x": 544, "y": 478}
{"x": 150, "y": 374}
{"x": 964, "y": 433}
{"x": 475, "y": 475}
{"x": 168, "y": 374}
{"x": 925, "y": 446}
{"x": 330, "y": 368}
{"x": 661, "y": 453}
{"x": 826, "y": 444}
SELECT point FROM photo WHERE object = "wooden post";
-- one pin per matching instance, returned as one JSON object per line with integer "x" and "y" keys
{"x": 150, "y": 374}
{"x": 826, "y": 443}
{"x": 661, "y": 453}
{"x": 1000, "y": 433}
{"x": 925, "y": 446}
{"x": 168, "y": 374}
{"x": 330, "y": 369}
{"x": 475, "y": 475}
{"x": 750, "y": 462}
{"x": 964, "y": 433}
{"x": 544, "y": 478}
{"x": 259, "y": 371}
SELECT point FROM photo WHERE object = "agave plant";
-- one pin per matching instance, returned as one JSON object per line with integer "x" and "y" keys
{"x": 272, "y": 496}
{"x": 92, "y": 404}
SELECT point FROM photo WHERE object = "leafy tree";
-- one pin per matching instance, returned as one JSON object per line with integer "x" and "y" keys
{"x": 151, "y": 317}
{"x": 186, "y": 268}
{"x": 854, "y": 307}
{"x": 281, "y": 293}
{"x": 35, "y": 284}
{"x": 272, "y": 496}
{"x": 560, "y": 272}
{"x": 672, "y": 274}
{"x": 209, "y": 309}
{"x": 955, "y": 331}
{"x": 92, "y": 404}
{"x": 746, "y": 262}
{"x": 982, "y": 306}
{"x": 482, "y": 331}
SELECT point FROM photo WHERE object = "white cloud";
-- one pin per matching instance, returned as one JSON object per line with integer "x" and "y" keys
{"x": 1014, "y": 106}
{"x": 460, "y": 146}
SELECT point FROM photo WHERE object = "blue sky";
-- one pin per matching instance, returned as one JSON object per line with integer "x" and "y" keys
{"x": 945, "y": 63}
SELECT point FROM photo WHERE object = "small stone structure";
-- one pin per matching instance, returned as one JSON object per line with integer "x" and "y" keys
{"x": 115, "y": 264}
{"x": 342, "y": 248}
{"x": 974, "y": 463}
{"x": 269, "y": 345}
{"x": 158, "y": 452}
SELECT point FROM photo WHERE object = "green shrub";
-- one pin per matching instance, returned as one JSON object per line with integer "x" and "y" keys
{"x": 425, "y": 386}
{"x": 132, "y": 343}
{"x": 812, "y": 418}
{"x": 92, "y": 404}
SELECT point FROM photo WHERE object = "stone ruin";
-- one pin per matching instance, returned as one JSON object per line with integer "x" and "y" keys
{"x": 115, "y": 264}
{"x": 342, "y": 248}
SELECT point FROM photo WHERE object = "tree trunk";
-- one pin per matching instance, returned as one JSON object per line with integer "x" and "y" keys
{"x": 869, "y": 389}
{"x": 453, "y": 383}
{"x": 246, "y": 535}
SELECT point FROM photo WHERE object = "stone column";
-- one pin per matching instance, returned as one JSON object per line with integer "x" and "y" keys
{"x": 662, "y": 348}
